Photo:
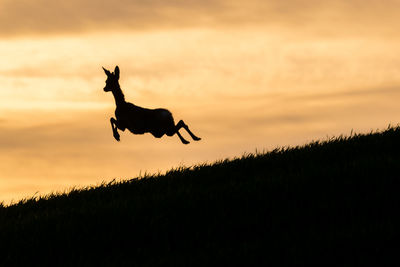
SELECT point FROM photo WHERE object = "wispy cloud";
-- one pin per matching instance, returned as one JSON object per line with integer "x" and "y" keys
{"x": 55, "y": 16}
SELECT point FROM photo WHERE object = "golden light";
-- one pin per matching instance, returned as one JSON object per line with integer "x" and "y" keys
{"x": 241, "y": 80}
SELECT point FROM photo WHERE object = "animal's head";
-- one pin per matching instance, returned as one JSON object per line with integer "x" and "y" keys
{"x": 112, "y": 79}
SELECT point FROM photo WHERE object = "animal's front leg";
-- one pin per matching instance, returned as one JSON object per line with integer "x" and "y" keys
{"x": 114, "y": 128}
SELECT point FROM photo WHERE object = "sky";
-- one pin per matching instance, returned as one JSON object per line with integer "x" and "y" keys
{"x": 245, "y": 76}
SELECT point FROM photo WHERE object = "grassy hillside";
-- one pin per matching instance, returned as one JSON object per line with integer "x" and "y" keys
{"x": 333, "y": 202}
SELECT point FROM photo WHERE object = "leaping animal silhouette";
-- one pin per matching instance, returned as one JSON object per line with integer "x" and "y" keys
{"x": 140, "y": 120}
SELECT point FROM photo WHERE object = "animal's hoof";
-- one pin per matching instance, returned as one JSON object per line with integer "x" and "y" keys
{"x": 185, "y": 142}
{"x": 196, "y": 138}
{"x": 116, "y": 136}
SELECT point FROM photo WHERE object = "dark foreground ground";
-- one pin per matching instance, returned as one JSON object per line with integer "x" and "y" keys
{"x": 327, "y": 203}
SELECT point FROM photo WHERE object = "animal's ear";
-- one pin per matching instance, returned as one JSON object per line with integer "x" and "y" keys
{"x": 107, "y": 71}
{"x": 116, "y": 71}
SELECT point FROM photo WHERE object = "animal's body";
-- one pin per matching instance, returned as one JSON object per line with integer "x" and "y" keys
{"x": 140, "y": 120}
{"x": 155, "y": 121}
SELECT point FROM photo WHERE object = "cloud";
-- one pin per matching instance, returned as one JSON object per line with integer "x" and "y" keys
{"x": 51, "y": 135}
{"x": 18, "y": 17}
{"x": 47, "y": 16}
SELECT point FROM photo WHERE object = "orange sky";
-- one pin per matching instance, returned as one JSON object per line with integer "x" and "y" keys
{"x": 244, "y": 75}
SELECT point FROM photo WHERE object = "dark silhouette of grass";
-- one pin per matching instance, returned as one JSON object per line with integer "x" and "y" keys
{"x": 334, "y": 202}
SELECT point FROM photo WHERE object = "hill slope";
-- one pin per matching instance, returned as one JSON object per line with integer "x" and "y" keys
{"x": 327, "y": 202}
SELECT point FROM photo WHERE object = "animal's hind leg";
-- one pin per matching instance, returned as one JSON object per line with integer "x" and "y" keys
{"x": 182, "y": 124}
{"x": 175, "y": 130}
{"x": 182, "y": 139}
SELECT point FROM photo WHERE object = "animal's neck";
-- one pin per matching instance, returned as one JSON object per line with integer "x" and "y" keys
{"x": 119, "y": 96}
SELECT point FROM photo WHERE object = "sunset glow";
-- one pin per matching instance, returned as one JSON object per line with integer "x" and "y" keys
{"x": 244, "y": 75}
